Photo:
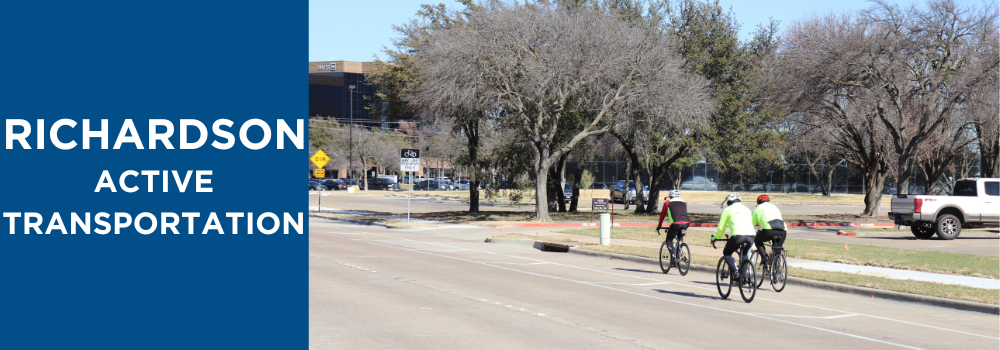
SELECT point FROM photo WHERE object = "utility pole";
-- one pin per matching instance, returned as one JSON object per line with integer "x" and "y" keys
{"x": 351, "y": 89}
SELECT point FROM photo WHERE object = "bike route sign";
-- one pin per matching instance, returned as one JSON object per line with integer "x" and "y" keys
{"x": 409, "y": 159}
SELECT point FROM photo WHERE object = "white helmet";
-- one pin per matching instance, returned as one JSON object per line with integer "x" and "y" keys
{"x": 675, "y": 193}
{"x": 730, "y": 198}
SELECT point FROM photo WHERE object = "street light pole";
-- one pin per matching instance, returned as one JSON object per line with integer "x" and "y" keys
{"x": 351, "y": 89}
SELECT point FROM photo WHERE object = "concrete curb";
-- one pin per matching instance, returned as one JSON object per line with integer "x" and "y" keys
{"x": 837, "y": 287}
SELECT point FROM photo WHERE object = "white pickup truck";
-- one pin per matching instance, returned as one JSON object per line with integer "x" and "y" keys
{"x": 974, "y": 203}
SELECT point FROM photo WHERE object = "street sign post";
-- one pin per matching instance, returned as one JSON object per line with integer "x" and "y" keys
{"x": 409, "y": 160}
{"x": 319, "y": 159}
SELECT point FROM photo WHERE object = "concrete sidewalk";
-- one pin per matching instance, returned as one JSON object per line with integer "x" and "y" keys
{"x": 977, "y": 282}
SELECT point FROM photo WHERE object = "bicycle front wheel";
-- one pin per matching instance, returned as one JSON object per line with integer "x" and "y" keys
{"x": 684, "y": 259}
{"x": 779, "y": 272}
{"x": 758, "y": 264}
{"x": 664, "y": 257}
{"x": 722, "y": 275}
{"x": 748, "y": 281}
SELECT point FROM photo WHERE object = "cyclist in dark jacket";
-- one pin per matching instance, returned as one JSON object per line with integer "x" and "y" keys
{"x": 675, "y": 209}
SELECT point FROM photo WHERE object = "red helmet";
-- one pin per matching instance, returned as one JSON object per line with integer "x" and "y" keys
{"x": 763, "y": 198}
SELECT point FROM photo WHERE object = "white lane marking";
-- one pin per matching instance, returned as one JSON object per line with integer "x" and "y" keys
{"x": 701, "y": 288}
{"x": 634, "y": 284}
{"x": 514, "y": 263}
{"x": 439, "y": 250}
{"x": 805, "y": 316}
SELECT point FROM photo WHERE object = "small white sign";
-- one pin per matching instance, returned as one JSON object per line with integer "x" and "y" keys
{"x": 409, "y": 164}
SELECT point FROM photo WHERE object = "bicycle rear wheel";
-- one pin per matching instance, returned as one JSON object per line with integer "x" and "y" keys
{"x": 684, "y": 259}
{"x": 748, "y": 281}
{"x": 722, "y": 275}
{"x": 664, "y": 257}
{"x": 779, "y": 272}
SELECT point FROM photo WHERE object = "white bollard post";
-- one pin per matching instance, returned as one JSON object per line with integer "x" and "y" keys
{"x": 605, "y": 229}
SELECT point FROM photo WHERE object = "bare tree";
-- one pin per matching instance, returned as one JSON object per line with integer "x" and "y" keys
{"x": 920, "y": 64}
{"x": 539, "y": 63}
{"x": 812, "y": 74}
{"x": 906, "y": 70}
{"x": 811, "y": 146}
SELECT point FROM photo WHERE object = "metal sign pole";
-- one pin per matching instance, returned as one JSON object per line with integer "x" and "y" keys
{"x": 410, "y": 192}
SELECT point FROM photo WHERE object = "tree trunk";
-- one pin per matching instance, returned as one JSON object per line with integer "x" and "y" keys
{"x": 635, "y": 175}
{"x": 656, "y": 177}
{"x": 874, "y": 182}
{"x": 905, "y": 174}
{"x": 827, "y": 187}
{"x": 560, "y": 190}
{"x": 576, "y": 188}
{"x": 472, "y": 136}
{"x": 541, "y": 191}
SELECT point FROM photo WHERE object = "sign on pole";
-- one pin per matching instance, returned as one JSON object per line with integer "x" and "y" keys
{"x": 409, "y": 159}
{"x": 319, "y": 158}
{"x": 320, "y": 173}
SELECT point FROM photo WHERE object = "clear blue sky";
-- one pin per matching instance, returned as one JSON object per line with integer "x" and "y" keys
{"x": 357, "y": 30}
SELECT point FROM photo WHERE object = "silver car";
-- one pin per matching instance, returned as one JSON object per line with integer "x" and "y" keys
{"x": 620, "y": 195}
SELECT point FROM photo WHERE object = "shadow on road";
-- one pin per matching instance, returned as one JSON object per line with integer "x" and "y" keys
{"x": 685, "y": 294}
{"x": 636, "y": 270}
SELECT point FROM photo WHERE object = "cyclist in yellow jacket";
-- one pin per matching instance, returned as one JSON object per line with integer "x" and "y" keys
{"x": 737, "y": 217}
{"x": 772, "y": 226}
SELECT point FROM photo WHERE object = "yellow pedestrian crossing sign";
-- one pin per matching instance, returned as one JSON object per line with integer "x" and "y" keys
{"x": 319, "y": 158}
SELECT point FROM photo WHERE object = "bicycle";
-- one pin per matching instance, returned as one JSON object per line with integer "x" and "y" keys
{"x": 746, "y": 279}
{"x": 680, "y": 258}
{"x": 776, "y": 268}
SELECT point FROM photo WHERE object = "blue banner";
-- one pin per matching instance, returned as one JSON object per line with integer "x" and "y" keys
{"x": 153, "y": 168}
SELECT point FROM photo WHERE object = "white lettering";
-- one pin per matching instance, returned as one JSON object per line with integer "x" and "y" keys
{"x": 119, "y": 224}
{"x": 164, "y": 137}
{"x": 138, "y": 223}
{"x": 21, "y": 137}
{"x": 102, "y": 133}
{"x": 199, "y": 181}
{"x": 54, "y": 134}
{"x": 202, "y": 136}
{"x": 263, "y": 126}
{"x": 217, "y": 129}
{"x": 128, "y": 134}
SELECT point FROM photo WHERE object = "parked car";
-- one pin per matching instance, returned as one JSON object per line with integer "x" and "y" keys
{"x": 619, "y": 194}
{"x": 568, "y": 193}
{"x": 463, "y": 185}
{"x": 316, "y": 186}
{"x": 385, "y": 184}
{"x": 974, "y": 202}
{"x": 433, "y": 185}
{"x": 598, "y": 186}
{"x": 334, "y": 185}
{"x": 350, "y": 182}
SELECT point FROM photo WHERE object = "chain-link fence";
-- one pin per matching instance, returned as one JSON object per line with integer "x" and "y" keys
{"x": 788, "y": 178}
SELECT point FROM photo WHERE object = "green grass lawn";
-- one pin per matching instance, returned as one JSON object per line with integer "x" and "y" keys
{"x": 906, "y": 286}
{"x": 857, "y": 254}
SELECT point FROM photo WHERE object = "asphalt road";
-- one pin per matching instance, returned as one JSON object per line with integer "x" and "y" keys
{"x": 374, "y": 288}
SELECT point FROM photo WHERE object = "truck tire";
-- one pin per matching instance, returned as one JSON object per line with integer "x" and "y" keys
{"x": 921, "y": 230}
{"x": 948, "y": 226}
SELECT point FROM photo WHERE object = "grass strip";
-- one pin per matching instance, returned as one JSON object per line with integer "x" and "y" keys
{"x": 855, "y": 254}
{"x": 949, "y": 291}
